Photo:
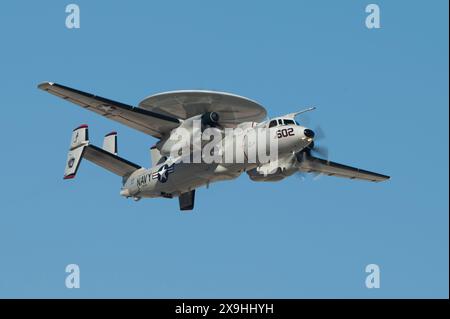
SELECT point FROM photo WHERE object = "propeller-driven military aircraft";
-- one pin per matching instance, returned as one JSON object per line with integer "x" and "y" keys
{"x": 164, "y": 115}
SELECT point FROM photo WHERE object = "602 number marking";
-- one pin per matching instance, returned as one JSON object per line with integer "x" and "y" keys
{"x": 285, "y": 132}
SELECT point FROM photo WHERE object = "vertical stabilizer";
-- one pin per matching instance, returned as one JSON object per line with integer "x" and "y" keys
{"x": 80, "y": 139}
{"x": 156, "y": 156}
{"x": 110, "y": 143}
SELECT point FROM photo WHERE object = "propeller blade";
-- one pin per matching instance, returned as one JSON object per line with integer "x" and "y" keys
{"x": 316, "y": 176}
{"x": 319, "y": 133}
{"x": 301, "y": 175}
{"x": 321, "y": 151}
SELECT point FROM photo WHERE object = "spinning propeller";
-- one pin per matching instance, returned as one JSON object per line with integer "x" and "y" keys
{"x": 313, "y": 149}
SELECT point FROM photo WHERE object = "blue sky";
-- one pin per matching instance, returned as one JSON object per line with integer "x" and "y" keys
{"x": 382, "y": 99}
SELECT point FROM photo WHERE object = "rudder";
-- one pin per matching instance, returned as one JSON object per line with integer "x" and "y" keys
{"x": 80, "y": 139}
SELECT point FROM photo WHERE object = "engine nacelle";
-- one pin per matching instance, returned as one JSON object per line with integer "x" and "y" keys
{"x": 272, "y": 172}
{"x": 210, "y": 119}
{"x": 182, "y": 136}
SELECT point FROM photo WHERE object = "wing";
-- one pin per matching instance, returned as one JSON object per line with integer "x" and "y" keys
{"x": 149, "y": 122}
{"x": 313, "y": 164}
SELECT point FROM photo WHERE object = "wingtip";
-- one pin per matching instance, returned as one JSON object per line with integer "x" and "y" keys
{"x": 383, "y": 178}
{"x": 45, "y": 85}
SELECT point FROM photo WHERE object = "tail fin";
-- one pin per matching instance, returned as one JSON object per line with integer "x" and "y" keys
{"x": 110, "y": 143}
{"x": 105, "y": 157}
{"x": 156, "y": 156}
{"x": 80, "y": 139}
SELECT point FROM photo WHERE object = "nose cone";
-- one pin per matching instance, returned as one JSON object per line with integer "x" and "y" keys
{"x": 309, "y": 133}
{"x": 125, "y": 192}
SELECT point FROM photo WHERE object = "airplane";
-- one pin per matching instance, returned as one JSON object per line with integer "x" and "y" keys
{"x": 163, "y": 115}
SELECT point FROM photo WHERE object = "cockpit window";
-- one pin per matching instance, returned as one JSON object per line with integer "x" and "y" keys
{"x": 280, "y": 122}
{"x": 289, "y": 122}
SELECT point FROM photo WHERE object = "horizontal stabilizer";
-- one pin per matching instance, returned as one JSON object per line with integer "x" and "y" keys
{"x": 105, "y": 157}
{"x": 111, "y": 162}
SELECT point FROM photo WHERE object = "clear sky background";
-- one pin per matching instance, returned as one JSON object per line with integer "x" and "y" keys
{"x": 382, "y": 98}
